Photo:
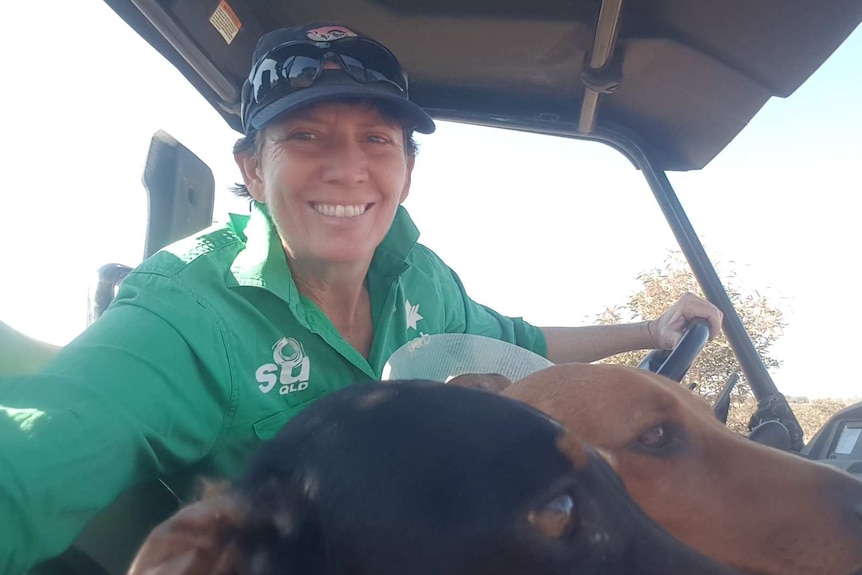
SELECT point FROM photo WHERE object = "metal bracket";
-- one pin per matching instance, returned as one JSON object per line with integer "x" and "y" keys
{"x": 607, "y": 79}
{"x": 774, "y": 407}
{"x": 600, "y": 58}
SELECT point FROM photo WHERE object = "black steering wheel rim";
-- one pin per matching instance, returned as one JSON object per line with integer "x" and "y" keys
{"x": 674, "y": 363}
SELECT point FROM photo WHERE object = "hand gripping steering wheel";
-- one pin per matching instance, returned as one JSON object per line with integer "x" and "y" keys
{"x": 674, "y": 363}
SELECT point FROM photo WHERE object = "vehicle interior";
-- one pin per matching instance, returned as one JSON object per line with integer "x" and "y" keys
{"x": 667, "y": 83}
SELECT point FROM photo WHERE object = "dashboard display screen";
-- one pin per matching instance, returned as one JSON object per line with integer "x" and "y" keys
{"x": 847, "y": 440}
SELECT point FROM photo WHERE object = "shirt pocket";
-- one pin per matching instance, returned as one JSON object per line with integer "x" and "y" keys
{"x": 269, "y": 426}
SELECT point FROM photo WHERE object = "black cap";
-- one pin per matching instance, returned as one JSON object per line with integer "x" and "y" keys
{"x": 331, "y": 85}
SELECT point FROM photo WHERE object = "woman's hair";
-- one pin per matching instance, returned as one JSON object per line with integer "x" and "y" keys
{"x": 252, "y": 144}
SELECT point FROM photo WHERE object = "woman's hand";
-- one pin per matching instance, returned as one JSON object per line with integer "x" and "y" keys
{"x": 191, "y": 542}
{"x": 667, "y": 330}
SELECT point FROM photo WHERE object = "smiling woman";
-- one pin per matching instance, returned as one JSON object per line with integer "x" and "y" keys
{"x": 350, "y": 147}
{"x": 230, "y": 340}
{"x": 308, "y": 294}
{"x": 512, "y": 190}
{"x": 332, "y": 177}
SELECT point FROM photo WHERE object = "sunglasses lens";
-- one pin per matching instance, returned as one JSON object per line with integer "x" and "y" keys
{"x": 378, "y": 62}
{"x": 293, "y": 66}
{"x": 266, "y": 76}
{"x": 303, "y": 71}
{"x": 296, "y": 66}
{"x": 353, "y": 67}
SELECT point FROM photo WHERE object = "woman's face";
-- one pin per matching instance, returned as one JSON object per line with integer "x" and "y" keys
{"x": 332, "y": 177}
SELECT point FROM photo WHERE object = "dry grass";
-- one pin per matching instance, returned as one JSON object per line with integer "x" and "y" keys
{"x": 812, "y": 414}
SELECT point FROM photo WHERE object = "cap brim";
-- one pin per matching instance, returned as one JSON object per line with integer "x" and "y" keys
{"x": 333, "y": 92}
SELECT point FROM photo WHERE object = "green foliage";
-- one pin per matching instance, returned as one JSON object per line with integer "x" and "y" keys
{"x": 661, "y": 287}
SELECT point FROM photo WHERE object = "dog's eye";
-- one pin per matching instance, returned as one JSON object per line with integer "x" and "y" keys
{"x": 655, "y": 437}
{"x": 554, "y": 518}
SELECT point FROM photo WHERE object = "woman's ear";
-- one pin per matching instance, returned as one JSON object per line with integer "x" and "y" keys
{"x": 249, "y": 167}
{"x": 411, "y": 161}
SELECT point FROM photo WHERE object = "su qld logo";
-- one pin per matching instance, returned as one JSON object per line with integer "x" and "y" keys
{"x": 290, "y": 370}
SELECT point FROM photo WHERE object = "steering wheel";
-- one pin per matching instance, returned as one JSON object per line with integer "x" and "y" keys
{"x": 674, "y": 363}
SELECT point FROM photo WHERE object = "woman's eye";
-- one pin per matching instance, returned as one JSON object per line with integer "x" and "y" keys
{"x": 655, "y": 437}
{"x": 301, "y": 136}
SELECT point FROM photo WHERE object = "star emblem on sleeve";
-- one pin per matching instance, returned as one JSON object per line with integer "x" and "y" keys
{"x": 412, "y": 315}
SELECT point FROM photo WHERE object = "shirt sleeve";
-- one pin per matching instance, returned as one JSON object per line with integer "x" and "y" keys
{"x": 142, "y": 392}
{"x": 478, "y": 319}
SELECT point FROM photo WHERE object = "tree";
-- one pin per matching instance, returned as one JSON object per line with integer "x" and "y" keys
{"x": 716, "y": 363}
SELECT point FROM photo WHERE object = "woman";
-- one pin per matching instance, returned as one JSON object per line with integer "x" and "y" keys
{"x": 214, "y": 343}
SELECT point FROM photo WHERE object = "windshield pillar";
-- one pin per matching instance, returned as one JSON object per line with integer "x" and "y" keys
{"x": 773, "y": 403}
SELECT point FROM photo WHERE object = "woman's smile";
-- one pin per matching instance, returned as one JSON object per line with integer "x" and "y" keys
{"x": 340, "y": 210}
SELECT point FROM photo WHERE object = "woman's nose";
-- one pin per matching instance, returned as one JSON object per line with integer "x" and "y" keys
{"x": 346, "y": 164}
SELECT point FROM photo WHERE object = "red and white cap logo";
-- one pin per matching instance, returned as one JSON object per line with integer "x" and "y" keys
{"x": 329, "y": 33}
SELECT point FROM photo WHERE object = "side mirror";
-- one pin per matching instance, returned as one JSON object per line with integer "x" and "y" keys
{"x": 180, "y": 193}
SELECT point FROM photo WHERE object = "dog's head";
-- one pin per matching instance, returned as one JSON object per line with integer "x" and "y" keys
{"x": 745, "y": 504}
{"x": 421, "y": 478}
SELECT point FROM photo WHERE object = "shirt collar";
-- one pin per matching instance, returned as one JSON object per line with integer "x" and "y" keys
{"x": 390, "y": 257}
{"x": 263, "y": 263}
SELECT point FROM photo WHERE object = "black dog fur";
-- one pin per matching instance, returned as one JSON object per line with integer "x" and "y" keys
{"x": 418, "y": 478}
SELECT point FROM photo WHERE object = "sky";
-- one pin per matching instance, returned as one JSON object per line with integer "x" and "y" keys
{"x": 517, "y": 216}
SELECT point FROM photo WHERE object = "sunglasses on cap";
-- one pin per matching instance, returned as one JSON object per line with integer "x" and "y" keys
{"x": 297, "y": 65}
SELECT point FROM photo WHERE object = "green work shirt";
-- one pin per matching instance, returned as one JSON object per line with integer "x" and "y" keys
{"x": 207, "y": 349}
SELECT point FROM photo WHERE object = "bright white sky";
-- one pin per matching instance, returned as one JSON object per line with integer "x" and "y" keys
{"x": 546, "y": 228}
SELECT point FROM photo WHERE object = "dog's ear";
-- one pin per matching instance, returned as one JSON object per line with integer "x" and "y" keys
{"x": 272, "y": 530}
{"x": 281, "y": 532}
{"x": 194, "y": 541}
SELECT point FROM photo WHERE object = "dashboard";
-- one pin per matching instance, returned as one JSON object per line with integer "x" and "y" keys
{"x": 839, "y": 442}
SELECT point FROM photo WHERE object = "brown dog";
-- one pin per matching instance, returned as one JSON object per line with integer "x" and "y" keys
{"x": 756, "y": 508}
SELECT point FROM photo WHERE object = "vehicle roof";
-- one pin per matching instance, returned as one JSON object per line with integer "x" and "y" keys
{"x": 694, "y": 73}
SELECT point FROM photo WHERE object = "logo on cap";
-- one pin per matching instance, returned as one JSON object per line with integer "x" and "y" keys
{"x": 329, "y": 33}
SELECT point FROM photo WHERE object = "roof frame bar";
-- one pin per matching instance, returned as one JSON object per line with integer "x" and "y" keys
{"x": 600, "y": 57}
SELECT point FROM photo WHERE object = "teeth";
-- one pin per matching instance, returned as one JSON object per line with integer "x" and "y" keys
{"x": 340, "y": 211}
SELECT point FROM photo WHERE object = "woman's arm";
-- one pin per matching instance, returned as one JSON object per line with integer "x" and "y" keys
{"x": 592, "y": 343}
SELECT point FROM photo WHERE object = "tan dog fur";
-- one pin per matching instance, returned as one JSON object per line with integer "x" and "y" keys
{"x": 756, "y": 508}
